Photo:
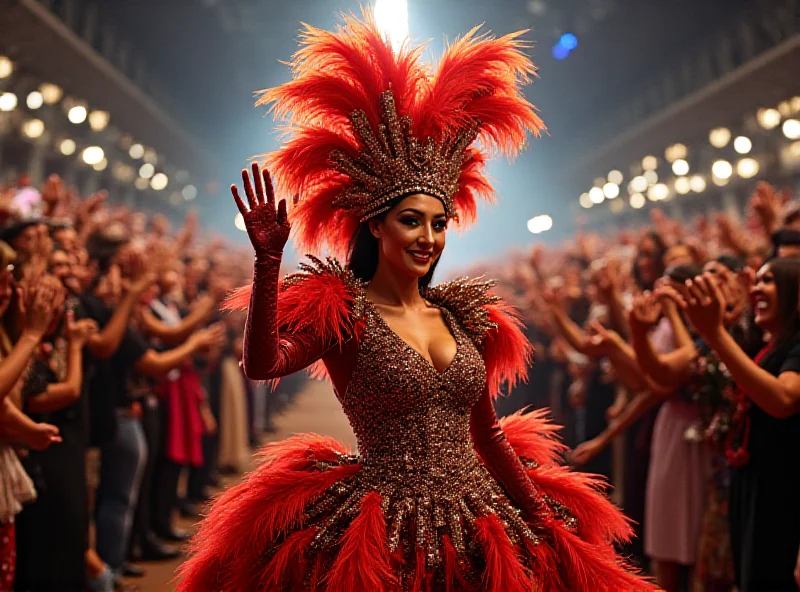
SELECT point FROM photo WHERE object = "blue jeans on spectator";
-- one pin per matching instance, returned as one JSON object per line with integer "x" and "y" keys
{"x": 123, "y": 463}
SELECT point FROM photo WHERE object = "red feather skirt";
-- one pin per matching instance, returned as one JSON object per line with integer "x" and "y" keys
{"x": 264, "y": 534}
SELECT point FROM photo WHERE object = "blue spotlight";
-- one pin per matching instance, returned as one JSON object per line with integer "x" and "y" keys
{"x": 560, "y": 52}
{"x": 568, "y": 41}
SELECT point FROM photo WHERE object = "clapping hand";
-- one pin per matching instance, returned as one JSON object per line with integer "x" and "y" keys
{"x": 208, "y": 338}
{"x": 767, "y": 204}
{"x": 603, "y": 342}
{"x": 704, "y": 304}
{"x": 141, "y": 275}
{"x": 554, "y": 298}
{"x": 79, "y": 332}
{"x": 645, "y": 312}
{"x": 39, "y": 304}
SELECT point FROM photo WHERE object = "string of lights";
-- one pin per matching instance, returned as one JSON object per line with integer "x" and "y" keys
{"x": 725, "y": 159}
{"x": 92, "y": 142}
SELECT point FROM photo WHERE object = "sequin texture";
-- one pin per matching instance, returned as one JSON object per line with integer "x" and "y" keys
{"x": 393, "y": 162}
{"x": 441, "y": 496}
{"x": 412, "y": 423}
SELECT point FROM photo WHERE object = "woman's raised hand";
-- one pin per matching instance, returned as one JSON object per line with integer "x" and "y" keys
{"x": 40, "y": 304}
{"x": 267, "y": 226}
{"x": 645, "y": 312}
{"x": 705, "y": 304}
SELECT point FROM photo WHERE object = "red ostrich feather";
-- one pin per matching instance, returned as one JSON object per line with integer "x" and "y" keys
{"x": 336, "y": 73}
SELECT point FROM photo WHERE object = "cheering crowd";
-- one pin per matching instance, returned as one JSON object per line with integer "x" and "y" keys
{"x": 119, "y": 380}
{"x": 671, "y": 354}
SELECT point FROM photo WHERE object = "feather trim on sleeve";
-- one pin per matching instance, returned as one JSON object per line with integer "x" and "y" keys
{"x": 322, "y": 299}
{"x": 494, "y": 326}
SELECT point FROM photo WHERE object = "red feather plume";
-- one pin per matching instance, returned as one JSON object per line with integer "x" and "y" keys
{"x": 507, "y": 352}
{"x": 587, "y": 558}
{"x": 480, "y": 78}
{"x": 337, "y": 73}
{"x": 289, "y": 561}
{"x": 504, "y": 572}
{"x": 268, "y": 503}
{"x": 362, "y": 563}
{"x": 534, "y": 437}
{"x": 319, "y": 303}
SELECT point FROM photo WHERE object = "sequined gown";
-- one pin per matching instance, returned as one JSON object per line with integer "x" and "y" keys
{"x": 439, "y": 497}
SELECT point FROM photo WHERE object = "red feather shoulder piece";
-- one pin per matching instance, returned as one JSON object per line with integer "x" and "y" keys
{"x": 494, "y": 326}
{"x": 323, "y": 298}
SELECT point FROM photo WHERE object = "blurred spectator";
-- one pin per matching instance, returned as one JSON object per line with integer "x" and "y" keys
{"x": 118, "y": 375}
{"x": 98, "y": 309}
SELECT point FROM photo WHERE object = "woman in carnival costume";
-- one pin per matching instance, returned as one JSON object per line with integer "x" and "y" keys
{"x": 387, "y": 154}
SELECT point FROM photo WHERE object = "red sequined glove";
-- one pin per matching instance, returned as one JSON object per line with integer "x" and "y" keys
{"x": 503, "y": 463}
{"x": 267, "y": 227}
{"x": 267, "y": 354}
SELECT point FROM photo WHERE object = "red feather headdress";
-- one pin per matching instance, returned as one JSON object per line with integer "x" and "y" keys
{"x": 365, "y": 124}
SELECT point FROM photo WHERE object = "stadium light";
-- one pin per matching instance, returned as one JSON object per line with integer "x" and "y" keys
{"x": 392, "y": 19}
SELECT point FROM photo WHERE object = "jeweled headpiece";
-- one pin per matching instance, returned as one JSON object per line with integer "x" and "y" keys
{"x": 396, "y": 163}
{"x": 365, "y": 125}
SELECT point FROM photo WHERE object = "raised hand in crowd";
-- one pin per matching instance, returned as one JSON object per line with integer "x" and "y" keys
{"x": 86, "y": 215}
{"x": 733, "y": 237}
{"x": 767, "y": 204}
{"x": 208, "y": 338}
{"x": 554, "y": 296}
{"x": 536, "y": 259}
{"x": 39, "y": 303}
{"x": 189, "y": 233}
{"x": 704, "y": 303}
{"x": 608, "y": 278}
{"x": 603, "y": 342}
{"x": 644, "y": 313}
{"x": 40, "y": 250}
{"x": 140, "y": 276}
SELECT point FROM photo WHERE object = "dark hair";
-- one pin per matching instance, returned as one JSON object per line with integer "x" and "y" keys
{"x": 363, "y": 252}
{"x": 102, "y": 249}
{"x": 661, "y": 249}
{"x": 786, "y": 237}
{"x": 9, "y": 233}
{"x": 681, "y": 273}
{"x": 732, "y": 262}
{"x": 786, "y": 274}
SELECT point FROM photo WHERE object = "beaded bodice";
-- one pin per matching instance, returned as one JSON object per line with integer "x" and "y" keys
{"x": 412, "y": 423}
{"x": 412, "y": 420}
